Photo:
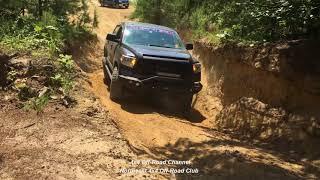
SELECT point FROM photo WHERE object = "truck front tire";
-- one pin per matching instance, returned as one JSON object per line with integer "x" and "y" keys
{"x": 116, "y": 90}
{"x": 186, "y": 103}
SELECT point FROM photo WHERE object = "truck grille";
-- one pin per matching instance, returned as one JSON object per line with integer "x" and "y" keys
{"x": 175, "y": 68}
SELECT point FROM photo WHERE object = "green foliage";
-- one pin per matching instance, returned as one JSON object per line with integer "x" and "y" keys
{"x": 12, "y": 75}
{"x": 244, "y": 20}
{"x": 27, "y": 35}
{"x": 37, "y": 103}
{"x": 25, "y": 92}
{"x": 42, "y": 27}
{"x": 45, "y": 29}
{"x": 64, "y": 75}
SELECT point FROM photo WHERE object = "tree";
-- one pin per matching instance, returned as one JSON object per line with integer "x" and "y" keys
{"x": 236, "y": 20}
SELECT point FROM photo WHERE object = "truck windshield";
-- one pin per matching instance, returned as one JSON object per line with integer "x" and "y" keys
{"x": 149, "y": 36}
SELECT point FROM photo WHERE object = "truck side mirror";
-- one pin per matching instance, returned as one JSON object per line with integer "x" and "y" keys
{"x": 112, "y": 37}
{"x": 189, "y": 46}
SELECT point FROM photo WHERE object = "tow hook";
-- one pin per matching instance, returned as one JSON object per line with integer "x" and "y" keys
{"x": 197, "y": 86}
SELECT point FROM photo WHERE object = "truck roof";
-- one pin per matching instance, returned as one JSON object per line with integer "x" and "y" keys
{"x": 132, "y": 23}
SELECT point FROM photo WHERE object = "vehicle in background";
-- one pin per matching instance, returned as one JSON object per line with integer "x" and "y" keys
{"x": 115, "y": 3}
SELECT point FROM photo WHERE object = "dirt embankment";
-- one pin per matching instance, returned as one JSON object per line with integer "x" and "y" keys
{"x": 267, "y": 91}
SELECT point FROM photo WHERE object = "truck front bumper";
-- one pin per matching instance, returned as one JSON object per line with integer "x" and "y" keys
{"x": 160, "y": 83}
{"x": 123, "y": 4}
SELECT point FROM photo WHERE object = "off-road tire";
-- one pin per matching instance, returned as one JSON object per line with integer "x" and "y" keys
{"x": 116, "y": 90}
{"x": 106, "y": 78}
{"x": 186, "y": 103}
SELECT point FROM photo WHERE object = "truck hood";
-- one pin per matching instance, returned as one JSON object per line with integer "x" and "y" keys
{"x": 141, "y": 51}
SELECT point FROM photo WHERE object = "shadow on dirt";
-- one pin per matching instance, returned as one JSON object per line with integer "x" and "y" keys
{"x": 138, "y": 105}
{"x": 225, "y": 159}
{"x": 1, "y": 161}
{"x": 3, "y": 69}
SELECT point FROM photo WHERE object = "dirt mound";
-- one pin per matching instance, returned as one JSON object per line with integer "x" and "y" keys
{"x": 284, "y": 74}
{"x": 87, "y": 54}
{"x": 281, "y": 78}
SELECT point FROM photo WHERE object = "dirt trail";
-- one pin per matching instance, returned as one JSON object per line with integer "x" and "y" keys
{"x": 139, "y": 122}
{"x": 167, "y": 136}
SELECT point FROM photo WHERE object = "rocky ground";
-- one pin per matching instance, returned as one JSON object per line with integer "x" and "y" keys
{"x": 62, "y": 143}
{"x": 72, "y": 137}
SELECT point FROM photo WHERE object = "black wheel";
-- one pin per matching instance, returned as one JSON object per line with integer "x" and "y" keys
{"x": 116, "y": 90}
{"x": 106, "y": 78}
{"x": 186, "y": 102}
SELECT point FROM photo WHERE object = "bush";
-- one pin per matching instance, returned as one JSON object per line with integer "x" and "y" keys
{"x": 64, "y": 74}
{"x": 37, "y": 103}
{"x": 245, "y": 20}
{"x": 26, "y": 35}
{"x": 45, "y": 29}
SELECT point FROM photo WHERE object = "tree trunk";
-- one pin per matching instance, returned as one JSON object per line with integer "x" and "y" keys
{"x": 158, "y": 12}
{"x": 40, "y": 10}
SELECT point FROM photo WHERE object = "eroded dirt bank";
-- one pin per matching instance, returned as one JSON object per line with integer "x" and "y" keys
{"x": 268, "y": 91}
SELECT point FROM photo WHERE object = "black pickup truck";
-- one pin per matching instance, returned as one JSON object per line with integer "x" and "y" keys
{"x": 115, "y": 3}
{"x": 150, "y": 59}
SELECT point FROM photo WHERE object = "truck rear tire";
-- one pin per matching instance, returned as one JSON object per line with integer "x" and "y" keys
{"x": 116, "y": 90}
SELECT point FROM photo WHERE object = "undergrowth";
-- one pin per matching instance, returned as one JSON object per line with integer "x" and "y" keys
{"x": 246, "y": 21}
{"x": 45, "y": 32}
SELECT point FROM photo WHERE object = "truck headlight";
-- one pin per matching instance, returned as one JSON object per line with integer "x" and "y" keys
{"x": 129, "y": 61}
{"x": 196, "y": 68}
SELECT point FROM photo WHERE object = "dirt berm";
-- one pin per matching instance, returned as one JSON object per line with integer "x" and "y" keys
{"x": 268, "y": 91}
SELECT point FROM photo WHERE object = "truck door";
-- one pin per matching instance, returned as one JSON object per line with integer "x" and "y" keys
{"x": 112, "y": 46}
